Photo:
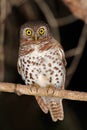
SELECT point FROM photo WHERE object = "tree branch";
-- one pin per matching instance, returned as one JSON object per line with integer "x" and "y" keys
{"x": 49, "y": 91}
{"x": 80, "y": 48}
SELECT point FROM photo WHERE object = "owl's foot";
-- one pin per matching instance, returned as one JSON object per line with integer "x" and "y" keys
{"x": 50, "y": 89}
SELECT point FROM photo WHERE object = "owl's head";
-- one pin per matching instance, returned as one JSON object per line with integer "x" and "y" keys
{"x": 35, "y": 31}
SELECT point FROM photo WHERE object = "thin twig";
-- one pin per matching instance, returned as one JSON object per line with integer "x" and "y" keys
{"x": 80, "y": 48}
{"x": 66, "y": 20}
{"x": 48, "y": 91}
{"x": 72, "y": 52}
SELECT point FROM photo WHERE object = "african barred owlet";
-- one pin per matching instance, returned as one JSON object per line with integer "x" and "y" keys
{"x": 42, "y": 61}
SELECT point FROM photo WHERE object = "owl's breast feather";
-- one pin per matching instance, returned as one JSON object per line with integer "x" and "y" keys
{"x": 43, "y": 67}
{"x": 43, "y": 81}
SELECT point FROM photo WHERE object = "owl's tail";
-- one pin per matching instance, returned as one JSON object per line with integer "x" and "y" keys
{"x": 56, "y": 110}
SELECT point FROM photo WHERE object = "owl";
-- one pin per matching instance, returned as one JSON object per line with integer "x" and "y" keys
{"x": 42, "y": 62}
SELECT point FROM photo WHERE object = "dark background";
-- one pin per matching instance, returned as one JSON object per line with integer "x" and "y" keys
{"x": 23, "y": 112}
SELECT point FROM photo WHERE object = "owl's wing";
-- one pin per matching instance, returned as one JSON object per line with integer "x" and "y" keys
{"x": 55, "y": 44}
{"x": 63, "y": 56}
{"x": 61, "y": 52}
{"x": 42, "y": 105}
{"x": 19, "y": 67}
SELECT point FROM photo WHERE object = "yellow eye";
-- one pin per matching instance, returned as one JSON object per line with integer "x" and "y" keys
{"x": 41, "y": 31}
{"x": 28, "y": 32}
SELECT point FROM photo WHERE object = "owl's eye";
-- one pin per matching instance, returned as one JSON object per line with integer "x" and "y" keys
{"x": 41, "y": 31}
{"x": 28, "y": 32}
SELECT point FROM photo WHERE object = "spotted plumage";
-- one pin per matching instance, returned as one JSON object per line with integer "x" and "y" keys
{"x": 42, "y": 61}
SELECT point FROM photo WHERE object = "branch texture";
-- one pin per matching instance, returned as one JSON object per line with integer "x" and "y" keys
{"x": 49, "y": 91}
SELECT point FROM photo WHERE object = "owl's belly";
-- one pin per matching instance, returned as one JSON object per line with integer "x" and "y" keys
{"x": 43, "y": 69}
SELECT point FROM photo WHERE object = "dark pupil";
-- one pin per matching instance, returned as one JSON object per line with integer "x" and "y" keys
{"x": 29, "y": 32}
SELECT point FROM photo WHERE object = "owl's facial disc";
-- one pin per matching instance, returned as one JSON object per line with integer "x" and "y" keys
{"x": 34, "y": 33}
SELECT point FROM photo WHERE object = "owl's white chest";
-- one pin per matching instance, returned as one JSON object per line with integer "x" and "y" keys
{"x": 43, "y": 68}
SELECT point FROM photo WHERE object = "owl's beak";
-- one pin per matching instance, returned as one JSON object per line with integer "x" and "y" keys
{"x": 35, "y": 37}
